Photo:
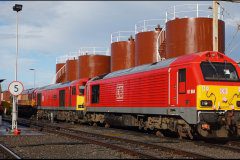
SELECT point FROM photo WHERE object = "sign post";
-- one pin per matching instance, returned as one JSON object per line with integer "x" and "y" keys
{"x": 15, "y": 88}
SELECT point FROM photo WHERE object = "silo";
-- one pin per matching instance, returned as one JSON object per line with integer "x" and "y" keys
{"x": 61, "y": 69}
{"x": 71, "y": 69}
{"x": 191, "y": 35}
{"x": 147, "y": 45}
{"x": 59, "y": 66}
{"x": 91, "y": 65}
{"x": 122, "y": 54}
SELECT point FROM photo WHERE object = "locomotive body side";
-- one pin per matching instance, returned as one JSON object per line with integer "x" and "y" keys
{"x": 168, "y": 95}
{"x": 63, "y": 101}
{"x": 26, "y": 103}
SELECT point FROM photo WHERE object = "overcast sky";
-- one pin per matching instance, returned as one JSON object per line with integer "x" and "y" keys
{"x": 51, "y": 29}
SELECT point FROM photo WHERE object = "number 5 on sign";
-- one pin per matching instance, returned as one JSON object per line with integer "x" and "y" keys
{"x": 15, "y": 88}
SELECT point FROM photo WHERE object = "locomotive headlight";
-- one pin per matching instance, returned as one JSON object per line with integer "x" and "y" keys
{"x": 238, "y": 103}
{"x": 206, "y": 103}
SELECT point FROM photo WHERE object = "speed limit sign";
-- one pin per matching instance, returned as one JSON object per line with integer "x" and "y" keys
{"x": 15, "y": 88}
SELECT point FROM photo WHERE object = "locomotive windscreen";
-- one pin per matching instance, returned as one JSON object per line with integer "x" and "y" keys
{"x": 216, "y": 71}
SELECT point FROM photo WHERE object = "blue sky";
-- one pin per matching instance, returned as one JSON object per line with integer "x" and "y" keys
{"x": 51, "y": 29}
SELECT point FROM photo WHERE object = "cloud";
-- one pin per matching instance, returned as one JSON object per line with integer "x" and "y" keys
{"x": 48, "y": 29}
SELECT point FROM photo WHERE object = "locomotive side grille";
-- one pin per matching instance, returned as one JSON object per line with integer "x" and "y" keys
{"x": 137, "y": 91}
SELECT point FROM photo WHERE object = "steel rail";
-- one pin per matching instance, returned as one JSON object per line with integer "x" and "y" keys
{"x": 10, "y": 154}
{"x": 145, "y": 144}
{"x": 132, "y": 142}
{"x": 101, "y": 143}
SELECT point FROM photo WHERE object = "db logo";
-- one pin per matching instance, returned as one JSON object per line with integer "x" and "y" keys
{"x": 223, "y": 91}
{"x": 119, "y": 92}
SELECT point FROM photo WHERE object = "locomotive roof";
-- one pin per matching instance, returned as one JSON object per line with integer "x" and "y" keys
{"x": 142, "y": 68}
{"x": 157, "y": 65}
{"x": 29, "y": 91}
{"x": 54, "y": 86}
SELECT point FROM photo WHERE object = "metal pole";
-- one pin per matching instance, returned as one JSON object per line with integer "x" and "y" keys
{"x": 16, "y": 46}
{"x": 166, "y": 17}
{"x": 215, "y": 26}
{"x": 197, "y": 9}
{"x": 34, "y": 75}
{"x": 34, "y": 78}
{"x": 14, "y": 111}
{"x": 174, "y": 9}
{"x": 144, "y": 29}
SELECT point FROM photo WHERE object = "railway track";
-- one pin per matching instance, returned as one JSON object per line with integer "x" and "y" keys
{"x": 6, "y": 153}
{"x": 139, "y": 149}
{"x": 132, "y": 147}
{"x": 233, "y": 148}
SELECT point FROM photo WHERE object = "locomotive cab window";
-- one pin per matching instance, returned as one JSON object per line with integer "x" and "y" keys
{"x": 182, "y": 81}
{"x": 95, "y": 94}
{"x": 81, "y": 90}
{"x": 74, "y": 90}
{"x": 216, "y": 71}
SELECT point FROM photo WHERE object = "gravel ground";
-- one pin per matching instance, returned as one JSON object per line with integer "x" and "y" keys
{"x": 50, "y": 146}
{"x": 192, "y": 146}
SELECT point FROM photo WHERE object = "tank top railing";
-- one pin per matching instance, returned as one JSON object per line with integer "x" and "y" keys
{"x": 63, "y": 59}
{"x": 121, "y": 36}
{"x": 192, "y": 10}
{"x": 93, "y": 51}
{"x": 148, "y": 25}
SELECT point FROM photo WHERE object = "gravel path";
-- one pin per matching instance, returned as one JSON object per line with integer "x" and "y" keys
{"x": 192, "y": 146}
{"x": 50, "y": 146}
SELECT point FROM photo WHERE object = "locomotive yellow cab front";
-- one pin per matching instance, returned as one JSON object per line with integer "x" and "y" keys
{"x": 218, "y": 100}
{"x": 210, "y": 97}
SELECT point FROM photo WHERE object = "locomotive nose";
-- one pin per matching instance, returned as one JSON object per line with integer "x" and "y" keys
{"x": 218, "y": 97}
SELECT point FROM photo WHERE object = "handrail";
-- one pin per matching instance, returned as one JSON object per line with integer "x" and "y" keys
{"x": 158, "y": 45}
{"x": 121, "y": 36}
{"x": 63, "y": 59}
{"x": 60, "y": 72}
{"x": 93, "y": 51}
{"x": 148, "y": 25}
{"x": 195, "y": 10}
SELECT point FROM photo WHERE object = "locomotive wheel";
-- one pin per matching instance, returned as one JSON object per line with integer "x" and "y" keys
{"x": 203, "y": 133}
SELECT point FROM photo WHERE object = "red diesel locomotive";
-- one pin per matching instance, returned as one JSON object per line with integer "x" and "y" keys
{"x": 195, "y": 94}
{"x": 64, "y": 101}
{"x": 192, "y": 94}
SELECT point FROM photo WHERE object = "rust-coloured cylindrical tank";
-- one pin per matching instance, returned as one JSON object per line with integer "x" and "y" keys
{"x": 146, "y": 47}
{"x": 60, "y": 73}
{"x": 122, "y": 54}
{"x": 59, "y": 66}
{"x": 93, "y": 65}
{"x": 71, "y": 69}
{"x": 191, "y": 35}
